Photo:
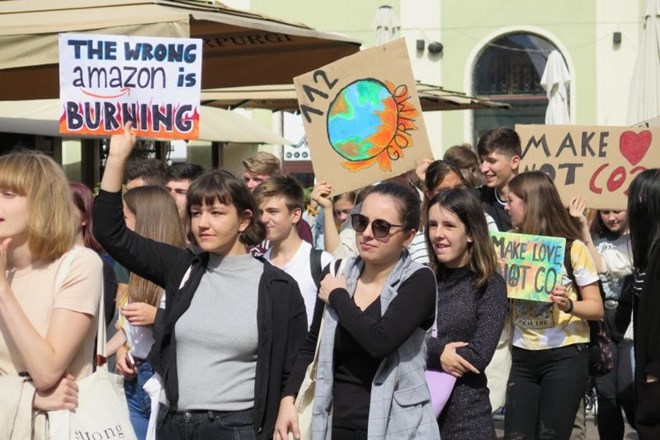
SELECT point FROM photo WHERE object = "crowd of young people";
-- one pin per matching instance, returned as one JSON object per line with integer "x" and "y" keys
{"x": 224, "y": 288}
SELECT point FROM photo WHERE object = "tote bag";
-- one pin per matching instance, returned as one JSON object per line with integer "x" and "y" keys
{"x": 440, "y": 384}
{"x": 102, "y": 409}
{"x": 305, "y": 398}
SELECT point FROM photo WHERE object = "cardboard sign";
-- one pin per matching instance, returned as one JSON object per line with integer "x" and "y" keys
{"x": 597, "y": 163}
{"x": 108, "y": 80}
{"x": 530, "y": 264}
{"x": 363, "y": 118}
{"x": 653, "y": 123}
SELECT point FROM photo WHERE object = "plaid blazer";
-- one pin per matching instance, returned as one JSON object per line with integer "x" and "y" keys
{"x": 400, "y": 405}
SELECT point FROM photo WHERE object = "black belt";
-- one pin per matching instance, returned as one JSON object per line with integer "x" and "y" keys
{"x": 188, "y": 415}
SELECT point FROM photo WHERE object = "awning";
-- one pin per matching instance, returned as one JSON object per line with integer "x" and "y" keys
{"x": 283, "y": 98}
{"x": 240, "y": 48}
{"x": 40, "y": 117}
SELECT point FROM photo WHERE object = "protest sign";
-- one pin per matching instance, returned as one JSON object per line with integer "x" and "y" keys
{"x": 362, "y": 117}
{"x": 653, "y": 123}
{"x": 530, "y": 264}
{"x": 108, "y": 80}
{"x": 597, "y": 163}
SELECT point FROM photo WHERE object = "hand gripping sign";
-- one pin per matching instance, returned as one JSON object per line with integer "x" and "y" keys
{"x": 530, "y": 264}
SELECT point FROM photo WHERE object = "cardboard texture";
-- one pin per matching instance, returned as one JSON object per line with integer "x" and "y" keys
{"x": 597, "y": 163}
{"x": 530, "y": 264}
{"x": 107, "y": 80}
{"x": 362, "y": 117}
{"x": 653, "y": 123}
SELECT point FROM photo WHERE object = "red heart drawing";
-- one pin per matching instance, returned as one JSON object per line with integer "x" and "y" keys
{"x": 634, "y": 146}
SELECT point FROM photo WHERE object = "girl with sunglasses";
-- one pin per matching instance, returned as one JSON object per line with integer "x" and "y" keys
{"x": 550, "y": 355}
{"x": 471, "y": 310}
{"x": 370, "y": 378}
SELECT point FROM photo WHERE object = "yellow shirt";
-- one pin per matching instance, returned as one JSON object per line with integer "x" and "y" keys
{"x": 541, "y": 325}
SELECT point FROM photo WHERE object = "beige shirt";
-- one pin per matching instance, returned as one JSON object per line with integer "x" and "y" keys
{"x": 37, "y": 294}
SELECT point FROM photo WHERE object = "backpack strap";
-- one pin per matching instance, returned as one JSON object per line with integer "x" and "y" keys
{"x": 315, "y": 265}
{"x": 568, "y": 263}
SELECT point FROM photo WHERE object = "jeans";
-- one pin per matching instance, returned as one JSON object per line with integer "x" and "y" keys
{"x": 139, "y": 402}
{"x": 615, "y": 392}
{"x": 544, "y": 391}
{"x": 205, "y": 425}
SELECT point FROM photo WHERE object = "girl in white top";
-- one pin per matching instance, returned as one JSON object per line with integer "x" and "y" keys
{"x": 47, "y": 328}
{"x": 151, "y": 212}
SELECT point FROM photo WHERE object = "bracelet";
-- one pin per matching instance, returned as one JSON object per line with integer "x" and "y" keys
{"x": 570, "y": 306}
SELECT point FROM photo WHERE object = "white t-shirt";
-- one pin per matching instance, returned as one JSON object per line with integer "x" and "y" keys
{"x": 140, "y": 337}
{"x": 299, "y": 268}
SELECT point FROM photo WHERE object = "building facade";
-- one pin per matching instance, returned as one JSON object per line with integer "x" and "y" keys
{"x": 497, "y": 49}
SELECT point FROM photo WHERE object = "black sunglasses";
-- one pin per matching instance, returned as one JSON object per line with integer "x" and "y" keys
{"x": 380, "y": 228}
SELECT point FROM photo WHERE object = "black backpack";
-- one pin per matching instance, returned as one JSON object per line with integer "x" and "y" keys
{"x": 601, "y": 358}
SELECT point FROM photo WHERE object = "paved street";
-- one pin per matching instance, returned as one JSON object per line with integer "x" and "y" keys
{"x": 592, "y": 431}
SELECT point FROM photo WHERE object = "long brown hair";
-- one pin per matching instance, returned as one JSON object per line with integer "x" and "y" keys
{"x": 545, "y": 213}
{"x": 157, "y": 218}
{"x": 482, "y": 258}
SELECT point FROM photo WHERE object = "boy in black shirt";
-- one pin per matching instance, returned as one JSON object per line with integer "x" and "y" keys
{"x": 499, "y": 152}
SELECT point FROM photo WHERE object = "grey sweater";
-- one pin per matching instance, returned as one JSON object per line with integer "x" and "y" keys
{"x": 217, "y": 337}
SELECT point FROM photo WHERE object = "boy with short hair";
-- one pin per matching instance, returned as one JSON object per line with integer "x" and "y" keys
{"x": 499, "y": 152}
{"x": 260, "y": 167}
{"x": 143, "y": 172}
{"x": 178, "y": 179}
{"x": 281, "y": 202}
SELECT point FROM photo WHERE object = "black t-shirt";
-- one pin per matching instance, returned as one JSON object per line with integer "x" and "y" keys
{"x": 364, "y": 338}
{"x": 494, "y": 207}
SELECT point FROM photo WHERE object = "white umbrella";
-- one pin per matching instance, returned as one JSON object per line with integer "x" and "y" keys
{"x": 644, "y": 99}
{"x": 386, "y": 24}
{"x": 555, "y": 81}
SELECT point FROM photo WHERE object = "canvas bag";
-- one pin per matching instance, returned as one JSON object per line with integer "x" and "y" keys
{"x": 305, "y": 398}
{"x": 440, "y": 384}
{"x": 102, "y": 409}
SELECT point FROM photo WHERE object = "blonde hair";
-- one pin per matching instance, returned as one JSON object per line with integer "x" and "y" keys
{"x": 52, "y": 226}
{"x": 156, "y": 218}
{"x": 263, "y": 163}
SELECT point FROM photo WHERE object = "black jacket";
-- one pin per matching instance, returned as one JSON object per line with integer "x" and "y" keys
{"x": 281, "y": 316}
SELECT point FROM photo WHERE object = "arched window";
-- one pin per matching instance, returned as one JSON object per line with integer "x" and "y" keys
{"x": 509, "y": 70}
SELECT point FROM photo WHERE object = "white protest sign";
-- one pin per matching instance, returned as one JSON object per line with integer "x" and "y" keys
{"x": 108, "y": 80}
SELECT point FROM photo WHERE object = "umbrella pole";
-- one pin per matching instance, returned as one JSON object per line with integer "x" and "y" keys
{"x": 217, "y": 154}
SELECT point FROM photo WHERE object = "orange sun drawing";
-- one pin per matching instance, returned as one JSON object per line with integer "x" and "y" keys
{"x": 369, "y": 122}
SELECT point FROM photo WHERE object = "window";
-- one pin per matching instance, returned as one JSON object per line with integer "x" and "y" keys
{"x": 509, "y": 70}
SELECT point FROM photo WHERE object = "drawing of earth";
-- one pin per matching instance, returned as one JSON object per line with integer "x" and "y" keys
{"x": 362, "y": 120}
